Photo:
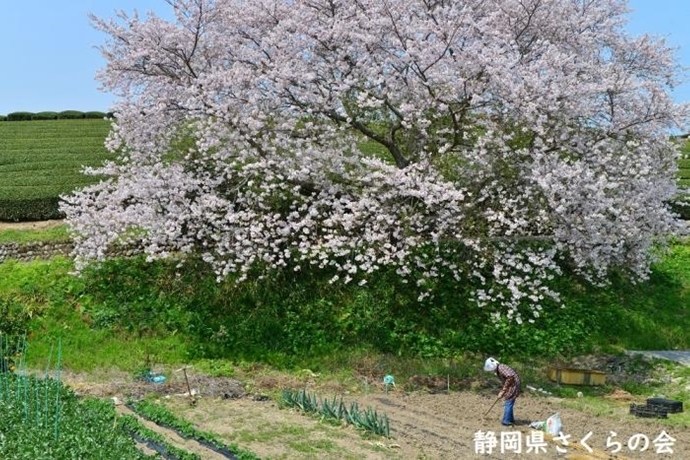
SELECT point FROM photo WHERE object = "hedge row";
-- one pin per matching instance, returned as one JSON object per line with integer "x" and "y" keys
{"x": 64, "y": 115}
{"x": 29, "y": 210}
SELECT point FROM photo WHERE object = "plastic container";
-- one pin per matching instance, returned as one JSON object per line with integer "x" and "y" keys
{"x": 671, "y": 406}
{"x": 645, "y": 410}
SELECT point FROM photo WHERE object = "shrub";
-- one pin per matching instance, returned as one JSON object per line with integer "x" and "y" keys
{"x": 20, "y": 116}
{"x": 14, "y": 317}
{"x": 71, "y": 114}
{"x": 95, "y": 114}
{"x": 45, "y": 116}
{"x": 28, "y": 210}
{"x": 3, "y": 117}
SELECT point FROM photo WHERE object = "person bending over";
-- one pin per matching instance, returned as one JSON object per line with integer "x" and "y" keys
{"x": 510, "y": 390}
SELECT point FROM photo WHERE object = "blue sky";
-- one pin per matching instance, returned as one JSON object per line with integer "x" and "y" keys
{"x": 49, "y": 59}
{"x": 49, "y": 56}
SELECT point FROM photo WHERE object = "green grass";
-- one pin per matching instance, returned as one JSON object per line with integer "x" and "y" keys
{"x": 54, "y": 300}
{"x": 146, "y": 302}
{"x": 58, "y": 233}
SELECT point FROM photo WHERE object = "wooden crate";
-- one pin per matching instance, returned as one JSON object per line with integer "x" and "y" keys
{"x": 570, "y": 376}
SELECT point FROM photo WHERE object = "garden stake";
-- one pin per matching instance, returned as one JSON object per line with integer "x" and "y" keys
{"x": 186, "y": 379}
{"x": 58, "y": 365}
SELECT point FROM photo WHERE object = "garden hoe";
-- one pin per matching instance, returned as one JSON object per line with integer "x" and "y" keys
{"x": 492, "y": 406}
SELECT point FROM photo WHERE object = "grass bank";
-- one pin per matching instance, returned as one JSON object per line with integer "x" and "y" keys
{"x": 131, "y": 315}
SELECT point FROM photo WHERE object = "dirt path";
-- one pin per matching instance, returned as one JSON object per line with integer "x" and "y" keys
{"x": 37, "y": 225}
{"x": 678, "y": 356}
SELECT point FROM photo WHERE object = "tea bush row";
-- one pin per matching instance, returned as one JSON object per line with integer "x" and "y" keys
{"x": 50, "y": 115}
{"x": 40, "y": 160}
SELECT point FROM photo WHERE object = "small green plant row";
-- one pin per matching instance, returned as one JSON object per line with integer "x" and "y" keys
{"x": 368, "y": 419}
{"x": 162, "y": 416}
{"x": 155, "y": 441}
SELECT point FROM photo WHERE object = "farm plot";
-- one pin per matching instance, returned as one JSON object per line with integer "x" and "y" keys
{"x": 44, "y": 158}
{"x": 426, "y": 423}
{"x": 433, "y": 426}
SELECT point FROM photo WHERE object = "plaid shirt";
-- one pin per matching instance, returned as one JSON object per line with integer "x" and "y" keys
{"x": 511, "y": 381}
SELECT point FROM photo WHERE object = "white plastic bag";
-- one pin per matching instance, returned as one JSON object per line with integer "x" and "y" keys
{"x": 553, "y": 424}
{"x": 538, "y": 425}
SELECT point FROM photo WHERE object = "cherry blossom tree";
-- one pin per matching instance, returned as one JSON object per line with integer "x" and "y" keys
{"x": 498, "y": 142}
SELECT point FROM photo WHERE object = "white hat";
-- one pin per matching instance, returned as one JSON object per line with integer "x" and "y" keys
{"x": 490, "y": 365}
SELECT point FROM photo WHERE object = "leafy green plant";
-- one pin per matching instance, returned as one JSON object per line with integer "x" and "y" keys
{"x": 370, "y": 420}
{"x": 43, "y": 420}
{"x": 367, "y": 420}
{"x": 333, "y": 409}
{"x": 301, "y": 399}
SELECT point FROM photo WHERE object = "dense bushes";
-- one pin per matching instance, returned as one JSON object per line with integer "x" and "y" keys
{"x": 45, "y": 116}
{"x": 95, "y": 115}
{"x": 19, "y": 116}
{"x": 50, "y": 115}
{"x": 31, "y": 209}
{"x": 43, "y": 159}
{"x": 71, "y": 114}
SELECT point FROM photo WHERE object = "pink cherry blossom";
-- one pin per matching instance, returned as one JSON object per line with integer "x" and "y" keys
{"x": 515, "y": 139}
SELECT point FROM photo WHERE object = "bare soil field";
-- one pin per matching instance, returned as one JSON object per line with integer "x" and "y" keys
{"x": 37, "y": 225}
{"x": 430, "y": 423}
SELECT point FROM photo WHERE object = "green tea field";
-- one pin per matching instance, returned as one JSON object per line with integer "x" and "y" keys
{"x": 42, "y": 158}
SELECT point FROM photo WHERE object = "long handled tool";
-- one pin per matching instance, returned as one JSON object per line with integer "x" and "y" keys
{"x": 492, "y": 406}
